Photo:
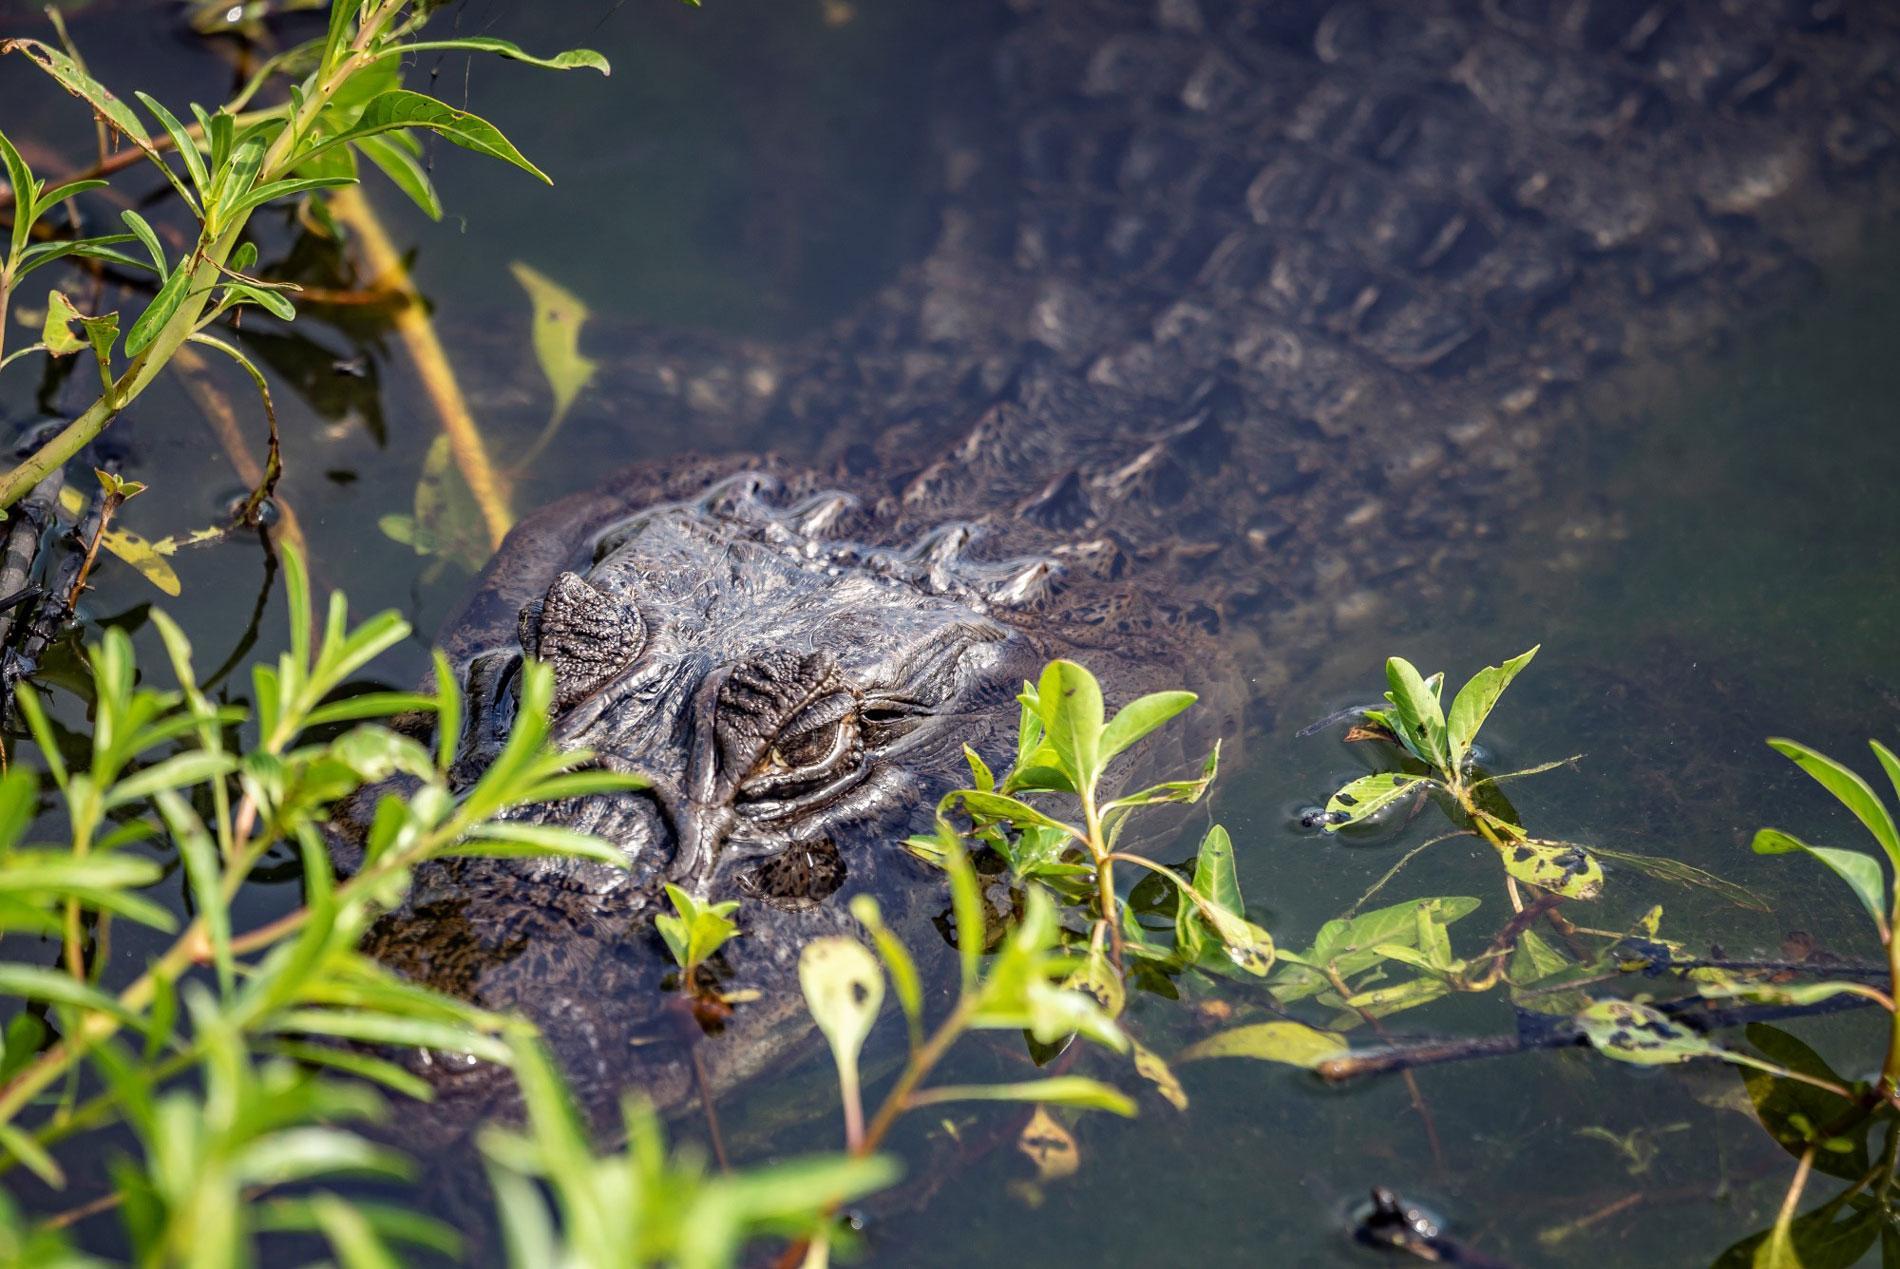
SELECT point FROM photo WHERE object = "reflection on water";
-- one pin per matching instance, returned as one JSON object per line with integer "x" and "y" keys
{"x": 1720, "y": 571}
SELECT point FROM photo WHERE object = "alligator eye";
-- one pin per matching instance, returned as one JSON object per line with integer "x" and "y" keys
{"x": 811, "y": 753}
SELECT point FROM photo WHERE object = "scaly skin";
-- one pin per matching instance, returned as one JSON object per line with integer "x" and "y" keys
{"x": 1250, "y": 322}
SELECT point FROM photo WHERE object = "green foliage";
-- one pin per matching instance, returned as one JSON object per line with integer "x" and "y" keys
{"x": 561, "y": 1202}
{"x": 699, "y": 929}
{"x": 345, "y": 99}
{"x": 211, "y": 1088}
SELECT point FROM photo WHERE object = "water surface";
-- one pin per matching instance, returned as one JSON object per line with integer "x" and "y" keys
{"x": 1721, "y": 571}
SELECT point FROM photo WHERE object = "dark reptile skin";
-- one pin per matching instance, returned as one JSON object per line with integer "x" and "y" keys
{"x": 1264, "y": 319}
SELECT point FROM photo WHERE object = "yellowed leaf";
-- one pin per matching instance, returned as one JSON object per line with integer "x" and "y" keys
{"x": 1150, "y": 1066}
{"x": 141, "y": 553}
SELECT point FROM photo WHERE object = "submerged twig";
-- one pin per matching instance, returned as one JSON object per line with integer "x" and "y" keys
{"x": 1536, "y": 1031}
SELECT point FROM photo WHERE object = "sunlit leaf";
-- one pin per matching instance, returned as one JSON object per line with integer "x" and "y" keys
{"x": 1854, "y": 793}
{"x": 1474, "y": 703}
{"x": 1420, "y": 717}
{"x": 571, "y": 59}
{"x": 1140, "y": 717}
{"x": 1563, "y": 868}
{"x": 1861, "y": 872}
{"x": 1057, "y": 1090}
{"x": 1363, "y": 798}
{"x": 1070, "y": 702}
{"x": 843, "y": 989}
{"x": 1049, "y": 1146}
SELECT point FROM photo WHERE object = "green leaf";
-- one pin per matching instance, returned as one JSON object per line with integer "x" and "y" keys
{"x": 101, "y": 332}
{"x": 257, "y": 196}
{"x": 1854, "y": 793}
{"x": 905, "y": 981}
{"x": 167, "y": 302}
{"x": 181, "y": 140}
{"x": 515, "y": 838}
{"x": 400, "y": 108}
{"x": 991, "y": 807}
{"x": 1059, "y": 1090}
{"x": 572, "y": 59}
{"x": 32, "y": 1155}
{"x": 148, "y": 238}
{"x": 1365, "y": 797}
{"x": 296, "y": 1154}
{"x": 1293, "y": 1043}
{"x": 1352, "y": 946}
{"x": 399, "y": 163}
{"x": 379, "y": 1028}
{"x": 1139, "y": 717}
{"x": 1420, "y": 717}
{"x": 699, "y": 930}
{"x": 555, "y": 335}
{"x": 1070, "y": 701}
{"x": 20, "y": 181}
{"x": 1560, "y": 867}
{"x": 35, "y": 982}
{"x": 1792, "y": 1111}
{"x": 1474, "y": 703}
{"x": 179, "y": 771}
{"x": 1861, "y": 872}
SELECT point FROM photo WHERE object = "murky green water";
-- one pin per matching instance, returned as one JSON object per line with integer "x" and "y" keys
{"x": 1726, "y": 575}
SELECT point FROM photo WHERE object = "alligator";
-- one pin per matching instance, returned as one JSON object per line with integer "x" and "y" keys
{"x": 1247, "y": 326}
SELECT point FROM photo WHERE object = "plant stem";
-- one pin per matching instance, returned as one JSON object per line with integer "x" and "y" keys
{"x": 1104, "y": 876}
{"x": 896, "y": 1102}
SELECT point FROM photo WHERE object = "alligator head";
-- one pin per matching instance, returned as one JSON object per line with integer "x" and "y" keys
{"x": 796, "y": 685}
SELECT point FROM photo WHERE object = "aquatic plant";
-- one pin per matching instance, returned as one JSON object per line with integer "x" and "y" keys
{"x": 346, "y": 104}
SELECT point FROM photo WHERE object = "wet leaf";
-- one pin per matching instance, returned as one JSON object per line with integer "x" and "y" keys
{"x": 1632, "y": 1032}
{"x": 1351, "y": 946}
{"x": 1096, "y": 977}
{"x": 1560, "y": 867}
{"x": 1829, "y": 1237}
{"x": 447, "y": 522}
{"x": 556, "y": 332}
{"x": 1474, "y": 703}
{"x": 1049, "y": 1147}
{"x": 1861, "y": 872}
{"x": 1420, "y": 717}
{"x": 1292, "y": 1043}
{"x": 1368, "y": 795}
{"x": 1792, "y": 1111}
